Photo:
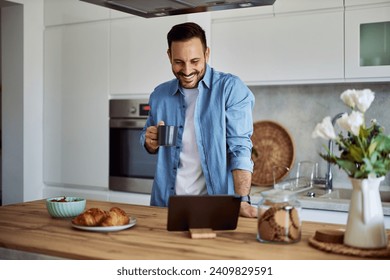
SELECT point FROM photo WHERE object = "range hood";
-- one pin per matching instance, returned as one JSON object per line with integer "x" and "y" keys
{"x": 161, "y": 8}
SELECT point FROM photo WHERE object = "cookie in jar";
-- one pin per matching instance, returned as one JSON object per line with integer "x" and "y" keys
{"x": 279, "y": 217}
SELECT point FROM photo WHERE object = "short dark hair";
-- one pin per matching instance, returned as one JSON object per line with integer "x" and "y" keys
{"x": 186, "y": 31}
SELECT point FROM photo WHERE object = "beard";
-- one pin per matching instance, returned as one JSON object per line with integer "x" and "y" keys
{"x": 191, "y": 80}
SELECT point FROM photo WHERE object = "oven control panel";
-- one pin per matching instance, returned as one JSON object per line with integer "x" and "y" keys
{"x": 129, "y": 108}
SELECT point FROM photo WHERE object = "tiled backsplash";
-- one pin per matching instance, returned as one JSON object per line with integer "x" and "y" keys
{"x": 300, "y": 107}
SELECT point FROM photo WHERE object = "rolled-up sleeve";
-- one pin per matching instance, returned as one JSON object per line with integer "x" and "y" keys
{"x": 239, "y": 125}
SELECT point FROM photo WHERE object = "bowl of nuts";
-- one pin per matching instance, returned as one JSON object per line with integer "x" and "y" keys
{"x": 65, "y": 206}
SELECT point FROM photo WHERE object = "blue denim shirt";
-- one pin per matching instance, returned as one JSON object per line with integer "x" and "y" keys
{"x": 223, "y": 128}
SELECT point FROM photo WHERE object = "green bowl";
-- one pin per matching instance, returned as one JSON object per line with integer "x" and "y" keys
{"x": 65, "y": 207}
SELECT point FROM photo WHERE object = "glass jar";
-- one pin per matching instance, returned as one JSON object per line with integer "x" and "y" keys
{"x": 279, "y": 217}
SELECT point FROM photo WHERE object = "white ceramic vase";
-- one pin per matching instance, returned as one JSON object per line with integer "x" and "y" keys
{"x": 365, "y": 225}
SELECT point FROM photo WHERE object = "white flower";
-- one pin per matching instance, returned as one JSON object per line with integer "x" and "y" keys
{"x": 347, "y": 97}
{"x": 324, "y": 130}
{"x": 363, "y": 99}
{"x": 351, "y": 123}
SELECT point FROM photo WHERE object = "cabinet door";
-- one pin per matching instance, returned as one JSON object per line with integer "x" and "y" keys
{"x": 138, "y": 57}
{"x": 294, "y": 48}
{"x": 287, "y": 6}
{"x": 59, "y": 12}
{"x": 349, "y": 3}
{"x": 75, "y": 104}
{"x": 367, "y": 43}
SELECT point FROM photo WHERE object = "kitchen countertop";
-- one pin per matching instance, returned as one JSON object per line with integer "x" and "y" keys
{"x": 27, "y": 227}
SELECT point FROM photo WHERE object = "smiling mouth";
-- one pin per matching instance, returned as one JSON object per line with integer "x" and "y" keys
{"x": 189, "y": 76}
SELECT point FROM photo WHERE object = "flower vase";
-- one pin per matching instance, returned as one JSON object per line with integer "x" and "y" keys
{"x": 365, "y": 225}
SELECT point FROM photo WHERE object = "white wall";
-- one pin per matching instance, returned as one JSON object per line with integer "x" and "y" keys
{"x": 12, "y": 100}
{"x": 22, "y": 72}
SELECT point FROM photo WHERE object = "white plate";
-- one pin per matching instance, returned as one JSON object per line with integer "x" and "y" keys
{"x": 131, "y": 223}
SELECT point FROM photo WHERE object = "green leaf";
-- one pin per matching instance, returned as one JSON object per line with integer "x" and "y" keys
{"x": 356, "y": 153}
{"x": 347, "y": 166}
{"x": 383, "y": 143}
{"x": 372, "y": 147}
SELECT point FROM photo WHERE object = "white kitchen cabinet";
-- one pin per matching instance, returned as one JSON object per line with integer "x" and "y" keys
{"x": 367, "y": 43}
{"x": 138, "y": 54}
{"x": 57, "y": 12}
{"x": 115, "y": 14}
{"x": 76, "y": 105}
{"x": 281, "y": 49}
{"x": 288, "y": 6}
{"x": 243, "y": 13}
{"x": 350, "y": 3}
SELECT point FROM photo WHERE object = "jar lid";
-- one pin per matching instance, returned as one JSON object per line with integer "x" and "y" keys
{"x": 279, "y": 195}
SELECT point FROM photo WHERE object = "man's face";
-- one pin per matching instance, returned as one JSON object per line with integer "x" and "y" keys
{"x": 188, "y": 61}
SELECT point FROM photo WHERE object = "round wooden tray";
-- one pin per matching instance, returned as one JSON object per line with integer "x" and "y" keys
{"x": 342, "y": 249}
{"x": 273, "y": 151}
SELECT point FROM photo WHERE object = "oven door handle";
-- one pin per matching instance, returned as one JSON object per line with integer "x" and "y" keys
{"x": 127, "y": 123}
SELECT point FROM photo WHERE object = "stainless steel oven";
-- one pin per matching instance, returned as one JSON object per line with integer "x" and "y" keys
{"x": 131, "y": 167}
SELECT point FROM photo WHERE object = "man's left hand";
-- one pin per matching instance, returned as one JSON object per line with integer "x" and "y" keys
{"x": 246, "y": 210}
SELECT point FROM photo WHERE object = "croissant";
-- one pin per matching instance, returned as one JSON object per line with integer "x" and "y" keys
{"x": 91, "y": 217}
{"x": 115, "y": 217}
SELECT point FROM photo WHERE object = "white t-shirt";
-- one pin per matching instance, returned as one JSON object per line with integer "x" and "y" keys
{"x": 190, "y": 178}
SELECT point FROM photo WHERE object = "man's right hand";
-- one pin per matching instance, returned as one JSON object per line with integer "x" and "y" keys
{"x": 151, "y": 138}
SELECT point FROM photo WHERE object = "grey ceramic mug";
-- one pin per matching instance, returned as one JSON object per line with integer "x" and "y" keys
{"x": 167, "y": 135}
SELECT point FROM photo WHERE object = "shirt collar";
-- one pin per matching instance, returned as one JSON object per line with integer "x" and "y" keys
{"x": 206, "y": 81}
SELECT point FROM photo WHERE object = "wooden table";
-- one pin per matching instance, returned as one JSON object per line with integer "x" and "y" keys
{"x": 28, "y": 227}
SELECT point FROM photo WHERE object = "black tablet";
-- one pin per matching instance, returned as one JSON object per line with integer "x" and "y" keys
{"x": 216, "y": 212}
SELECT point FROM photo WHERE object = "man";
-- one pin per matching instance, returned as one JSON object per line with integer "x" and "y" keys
{"x": 213, "y": 113}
